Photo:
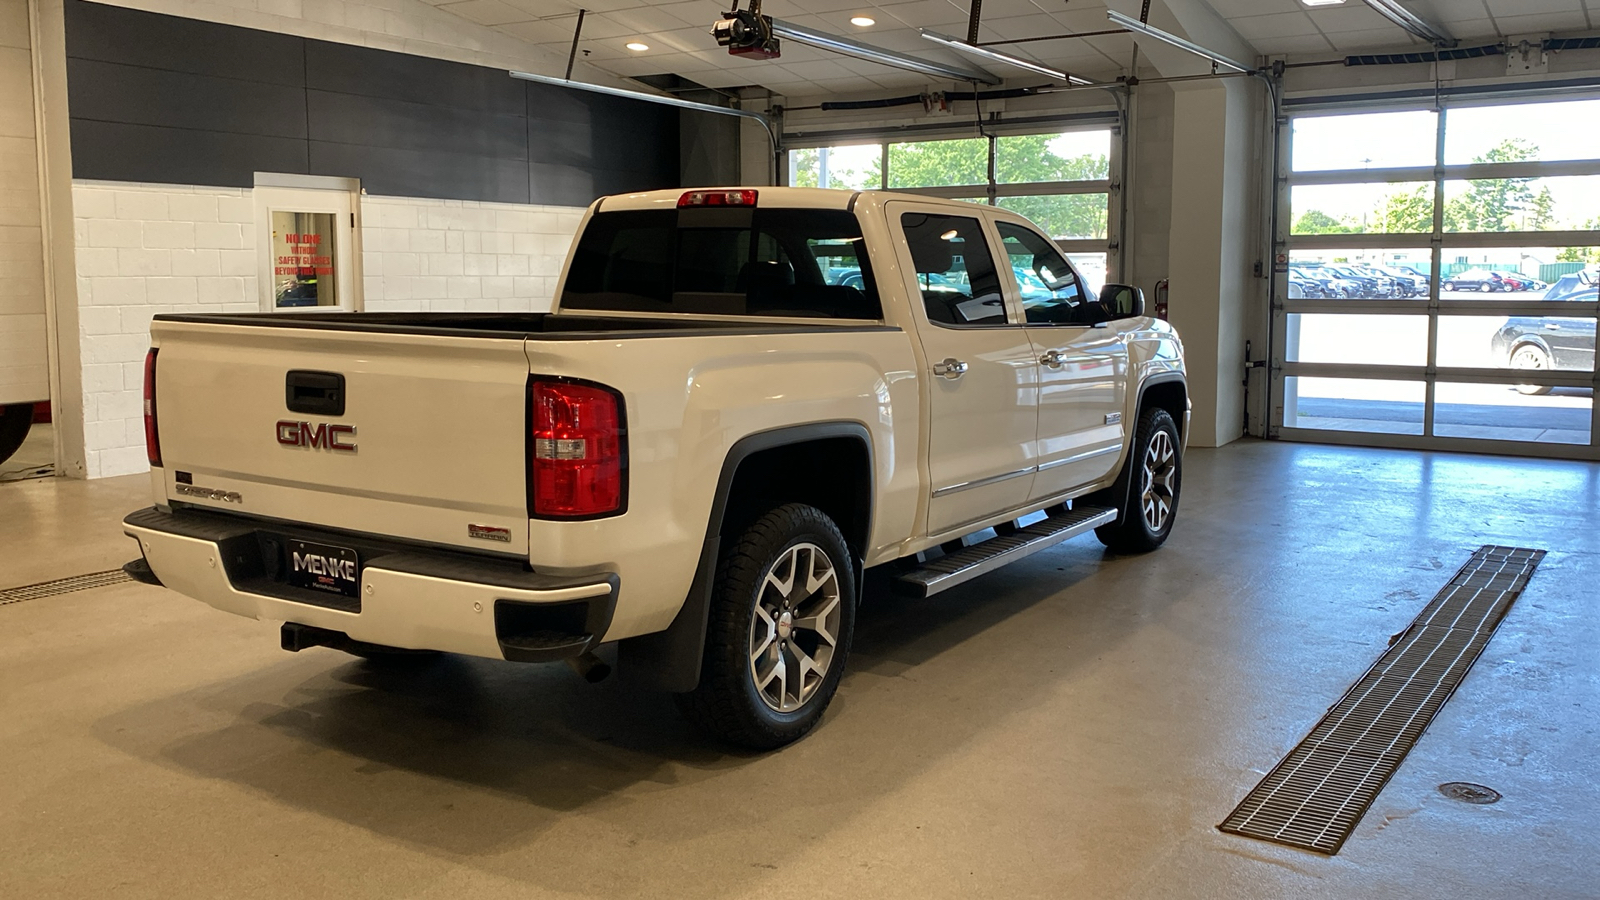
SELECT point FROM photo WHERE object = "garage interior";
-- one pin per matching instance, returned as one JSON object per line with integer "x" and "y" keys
{"x": 1374, "y": 222}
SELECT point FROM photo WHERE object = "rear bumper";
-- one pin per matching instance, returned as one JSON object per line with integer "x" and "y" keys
{"x": 410, "y": 597}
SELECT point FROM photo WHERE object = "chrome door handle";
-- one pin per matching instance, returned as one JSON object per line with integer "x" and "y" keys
{"x": 1055, "y": 359}
{"x": 1552, "y": 326}
{"x": 951, "y": 368}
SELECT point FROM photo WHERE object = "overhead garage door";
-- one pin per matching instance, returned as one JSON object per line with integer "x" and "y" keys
{"x": 1437, "y": 276}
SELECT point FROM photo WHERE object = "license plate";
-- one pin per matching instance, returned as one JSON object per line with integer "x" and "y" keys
{"x": 323, "y": 567}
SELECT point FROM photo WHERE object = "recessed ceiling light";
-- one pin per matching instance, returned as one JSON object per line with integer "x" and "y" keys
{"x": 637, "y": 46}
{"x": 868, "y": 21}
{"x": 1322, "y": 2}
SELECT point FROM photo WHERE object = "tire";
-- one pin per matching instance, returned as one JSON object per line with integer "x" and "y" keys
{"x": 744, "y": 696}
{"x": 1151, "y": 480}
{"x": 16, "y": 421}
{"x": 1486, "y": 287}
{"x": 1530, "y": 356}
{"x": 1449, "y": 285}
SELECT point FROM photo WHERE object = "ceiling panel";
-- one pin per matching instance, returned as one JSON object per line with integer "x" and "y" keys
{"x": 677, "y": 34}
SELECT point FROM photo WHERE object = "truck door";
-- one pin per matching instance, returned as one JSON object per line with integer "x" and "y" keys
{"x": 980, "y": 370}
{"x": 1083, "y": 359}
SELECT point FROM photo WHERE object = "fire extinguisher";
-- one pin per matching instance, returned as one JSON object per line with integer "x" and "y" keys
{"x": 1161, "y": 300}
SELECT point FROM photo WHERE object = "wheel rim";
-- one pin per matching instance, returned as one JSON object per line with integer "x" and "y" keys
{"x": 1529, "y": 358}
{"x": 1160, "y": 475}
{"x": 794, "y": 631}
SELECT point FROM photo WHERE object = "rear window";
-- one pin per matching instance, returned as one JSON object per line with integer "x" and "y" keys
{"x": 741, "y": 262}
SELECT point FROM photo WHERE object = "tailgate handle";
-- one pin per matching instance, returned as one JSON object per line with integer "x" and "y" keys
{"x": 317, "y": 393}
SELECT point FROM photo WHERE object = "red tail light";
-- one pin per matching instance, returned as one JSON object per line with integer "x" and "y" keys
{"x": 717, "y": 198}
{"x": 152, "y": 437}
{"x": 576, "y": 460}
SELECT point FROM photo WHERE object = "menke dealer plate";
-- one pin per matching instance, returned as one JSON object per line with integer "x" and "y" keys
{"x": 323, "y": 567}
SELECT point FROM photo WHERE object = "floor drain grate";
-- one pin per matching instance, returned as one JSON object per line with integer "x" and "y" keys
{"x": 1315, "y": 797}
{"x": 61, "y": 586}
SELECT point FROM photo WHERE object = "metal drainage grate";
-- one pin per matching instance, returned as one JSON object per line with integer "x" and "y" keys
{"x": 62, "y": 586}
{"x": 1317, "y": 795}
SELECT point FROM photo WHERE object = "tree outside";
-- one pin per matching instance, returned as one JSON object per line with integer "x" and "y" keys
{"x": 1498, "y": 204}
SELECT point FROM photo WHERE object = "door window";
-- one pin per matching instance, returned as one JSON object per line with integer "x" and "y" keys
{"x": 955, "y": 270}
{"x": 1052, "y": 293}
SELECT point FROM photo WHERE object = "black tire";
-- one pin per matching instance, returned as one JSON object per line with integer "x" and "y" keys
{"x": 728, "y": 701}
{"x": 1133, "y": 532}
{"x": 16, "y": 421}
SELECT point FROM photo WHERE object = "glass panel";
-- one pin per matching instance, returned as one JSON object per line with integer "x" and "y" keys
{"x": 1524, "y": 273}
{"x": 1523, "y": 204}
{"x": 303, "y": 259}
{"x": 1052, "y": 293}
{"x": 1505, "y": 413}
{"x": 1092, "y": 267}
{"x": 939, "y": 163}
{"x": 1404, "y": 208}
{"x": 955, "y": 269}
{"x": 721, "y": 261}
{"x": 1353, "y": 404}
{"x": 1376, "y": 340}
{"x": 1364, "y": 141}
{"x": 1063, "y": 216}
{"x": 852, "y": 168}
{"x": 1535, "y": 131}
{"x": 1360, "y": 274}
{"x": 1559, "y": 343}
{"x": 1073, "y": 156}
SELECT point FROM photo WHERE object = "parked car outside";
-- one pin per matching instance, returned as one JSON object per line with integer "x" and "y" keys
{"x": 1517, "y": 281}
{"x": 1539, "y": 343}
{"x": 1408, "y": 282}
{"x": 1476, "y": 280}
{"x": 1367, "y": 286}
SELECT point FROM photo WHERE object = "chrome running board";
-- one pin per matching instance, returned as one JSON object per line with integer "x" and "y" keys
{"x": 968, "y": 563}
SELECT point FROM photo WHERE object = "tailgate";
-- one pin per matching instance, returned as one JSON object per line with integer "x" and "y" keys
{"x": 437, "y": 423}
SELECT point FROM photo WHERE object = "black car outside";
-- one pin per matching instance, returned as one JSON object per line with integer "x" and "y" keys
{"x": 1476, "y": 280}
{"x": 1561, "y": 343}
{"x": 1408, "y": 282}
{"x": 1368, "y": 286}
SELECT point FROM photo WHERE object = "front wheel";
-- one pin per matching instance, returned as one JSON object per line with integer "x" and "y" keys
{"x": 782, "y": 614}
{"x": 1152, "y": 478}
{"x": 1529, "y": 356}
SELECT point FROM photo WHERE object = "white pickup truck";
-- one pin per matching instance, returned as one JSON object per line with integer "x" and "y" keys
{"x": 743, "y": 400}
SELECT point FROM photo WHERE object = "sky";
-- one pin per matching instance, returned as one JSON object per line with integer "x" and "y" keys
{"x": 1562, "y": 130}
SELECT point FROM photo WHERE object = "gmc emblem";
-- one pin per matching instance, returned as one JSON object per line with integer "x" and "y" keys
{"x": 321, "y": 436}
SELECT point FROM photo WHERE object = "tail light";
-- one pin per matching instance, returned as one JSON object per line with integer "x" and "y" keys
{"x": 576, "y": 466}
{"x": 717, "y": 198}
{"x": 152, "y": 437}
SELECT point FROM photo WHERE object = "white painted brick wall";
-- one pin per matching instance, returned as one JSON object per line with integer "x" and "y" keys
{"x": 455, "y": 255}
{"x": 146, "y": 249}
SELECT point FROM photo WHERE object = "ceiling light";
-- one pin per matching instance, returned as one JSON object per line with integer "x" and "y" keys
{"x": 1322, "y": 2}
{"x": 637, "y": 46}
{"x": 653, "y": 98}
{"x": 997, "y": 56}
{"x": 884, "y": 57}
{"x": 868, "y": 21}
{"x": 1138, "y": 27}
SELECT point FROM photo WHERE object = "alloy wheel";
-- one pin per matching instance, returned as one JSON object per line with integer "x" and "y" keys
{"x": 1160, "y": 477}
{"x": 794, "y": 631}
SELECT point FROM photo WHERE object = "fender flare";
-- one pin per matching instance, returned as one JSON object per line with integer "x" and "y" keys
{"x": 670, "y": 660}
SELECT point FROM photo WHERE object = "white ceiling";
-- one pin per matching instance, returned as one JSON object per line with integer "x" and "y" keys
{"x": 677, "y": 32}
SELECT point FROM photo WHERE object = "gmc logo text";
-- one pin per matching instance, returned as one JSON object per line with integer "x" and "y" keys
{"x": 321, "y": 436}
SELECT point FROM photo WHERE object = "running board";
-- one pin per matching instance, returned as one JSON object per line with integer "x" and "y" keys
{"x": 964, "y": 565}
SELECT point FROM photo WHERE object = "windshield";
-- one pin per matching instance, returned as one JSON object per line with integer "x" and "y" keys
{"x": 718, "y": 261}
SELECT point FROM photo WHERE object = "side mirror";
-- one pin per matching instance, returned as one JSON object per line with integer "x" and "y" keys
{"x": 1122, "y": 301}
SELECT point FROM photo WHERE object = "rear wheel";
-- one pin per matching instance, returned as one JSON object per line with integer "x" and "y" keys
{"x": 1531, "y": 357}
{"x": 1152, "y": 478}
{"x": 16, "y": 421}
{"x": 782, "y": 615}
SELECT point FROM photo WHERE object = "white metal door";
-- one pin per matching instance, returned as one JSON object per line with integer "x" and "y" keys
{"x": 305, "y": 247}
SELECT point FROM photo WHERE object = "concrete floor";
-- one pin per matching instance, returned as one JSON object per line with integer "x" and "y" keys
{"x": 1072, "y": 726}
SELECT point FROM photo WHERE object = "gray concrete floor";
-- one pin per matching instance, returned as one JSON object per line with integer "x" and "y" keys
{"x": 1073, "y": 726}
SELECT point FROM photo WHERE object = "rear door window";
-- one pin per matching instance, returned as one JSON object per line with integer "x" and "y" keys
{"x": 806, "y": 263}
{"x": 955, "y": 270}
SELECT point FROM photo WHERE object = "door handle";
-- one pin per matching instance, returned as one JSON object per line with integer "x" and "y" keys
{"x": 951, "y": 368}
{"x": 1552, "y": 326}
{"x": 1055, "y": 359}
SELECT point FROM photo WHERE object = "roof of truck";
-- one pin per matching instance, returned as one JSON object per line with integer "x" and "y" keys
{"x": 788, "y": 197}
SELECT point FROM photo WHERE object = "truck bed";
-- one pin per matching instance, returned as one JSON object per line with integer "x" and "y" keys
{"x": 530, "y": 326}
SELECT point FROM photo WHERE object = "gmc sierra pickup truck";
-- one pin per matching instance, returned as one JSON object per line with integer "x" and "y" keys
{"x": 743, "y": 400}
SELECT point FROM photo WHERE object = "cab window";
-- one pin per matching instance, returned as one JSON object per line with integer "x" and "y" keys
{"x": 1052, "y": 292}
{"x": 955, "y": 270}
